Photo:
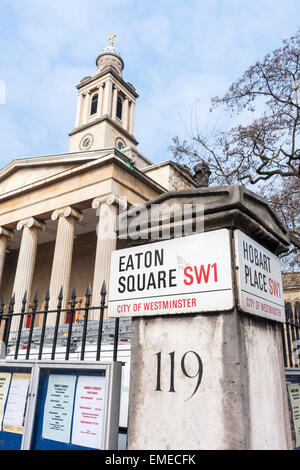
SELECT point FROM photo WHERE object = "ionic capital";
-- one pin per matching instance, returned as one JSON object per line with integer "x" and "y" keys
{"x": 30, "y": 223}
{"x": 110, "y": 200}
{"x": 4, "y": 232}
{"x": 67, "y": 212}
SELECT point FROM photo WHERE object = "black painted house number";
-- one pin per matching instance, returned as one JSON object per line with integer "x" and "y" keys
{"x": 197, "y": 375}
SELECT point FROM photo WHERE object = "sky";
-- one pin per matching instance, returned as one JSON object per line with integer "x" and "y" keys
{"x": 178, "y": 54}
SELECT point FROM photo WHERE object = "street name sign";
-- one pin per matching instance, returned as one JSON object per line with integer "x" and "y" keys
{"x": 184, "y": 275}
{"x": 259, "y": 279}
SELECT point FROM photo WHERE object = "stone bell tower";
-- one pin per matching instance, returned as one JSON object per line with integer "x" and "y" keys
{"x": 105, "y": 108}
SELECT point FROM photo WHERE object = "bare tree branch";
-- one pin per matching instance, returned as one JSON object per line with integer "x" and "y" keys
{"x": 264, "y": 152}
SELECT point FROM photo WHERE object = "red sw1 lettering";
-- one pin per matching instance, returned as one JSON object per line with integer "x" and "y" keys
{"x": 274, "y": 288}
{"x": 195, "y": 274}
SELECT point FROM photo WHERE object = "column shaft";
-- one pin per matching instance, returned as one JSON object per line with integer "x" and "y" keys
{"x": 107, "y": 97}
{"x": 114, "y": 103}
{"x": 107, "y": 209}
{"x": 102, "y": 89}
{"x": 131, "y": 123}
{"x": 62, "y": 260}
{"x": 126, "y": 114}
{"x": 100, "y": 99}
{"x": 5, "y": 235}
{"x": 86, "y": 107}
{"x": 25, "y": 266}
{"x": 78, "y": 112}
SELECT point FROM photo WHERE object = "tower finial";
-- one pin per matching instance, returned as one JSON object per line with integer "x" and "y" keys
{"x": 111, "y": 39}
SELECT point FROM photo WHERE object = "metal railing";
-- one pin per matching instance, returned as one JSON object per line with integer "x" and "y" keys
{"x": 41, "y": 339}
{"x": 46, "y": 338}
{"x": 291, "y": 336}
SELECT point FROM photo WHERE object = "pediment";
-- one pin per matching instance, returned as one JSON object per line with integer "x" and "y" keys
{"x": 24, "y": 173}
{"x": 25, "y": 176}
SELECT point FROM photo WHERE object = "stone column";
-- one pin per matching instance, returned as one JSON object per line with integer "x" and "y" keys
{"x": 5, "y": 235}
{"x": 26, "y": 262}
{"x": 62, "y": 260}
{"x": 86, "y": 107}
{"x": 107, "y": 97}
{"x": 100, "y": 98}
{"x": 114, "y": 102}
{"x": 107, "y": 209}
{"x": 126, "y": 114}
{"x": 131, "y": 119}
{"x": 78, "y": 111}
{"x": 102, "y": 90}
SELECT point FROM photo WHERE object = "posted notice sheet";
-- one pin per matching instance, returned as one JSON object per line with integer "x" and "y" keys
{"x": 89, "y": 412}
{"x": 4, "y": 385}
{"x": 294, "y": 393}
{"x": 59, "y": 408}
{"x": 14, "y": 416}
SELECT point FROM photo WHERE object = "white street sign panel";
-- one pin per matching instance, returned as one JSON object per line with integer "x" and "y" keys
{"x": 259, "y": 279}
{"x": 183, "y": 275}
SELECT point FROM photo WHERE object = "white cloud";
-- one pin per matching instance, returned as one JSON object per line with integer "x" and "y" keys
{"x": 176, "y": 54}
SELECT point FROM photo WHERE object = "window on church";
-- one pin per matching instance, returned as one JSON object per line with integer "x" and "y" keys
{"x": 94, "y": 104}
{"x": 119, "y": 107}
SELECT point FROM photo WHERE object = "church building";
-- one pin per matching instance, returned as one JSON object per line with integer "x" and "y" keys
{"x": 52, "y": 207}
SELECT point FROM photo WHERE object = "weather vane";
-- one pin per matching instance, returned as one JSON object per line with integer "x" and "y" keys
{"x": 111, "y": 39}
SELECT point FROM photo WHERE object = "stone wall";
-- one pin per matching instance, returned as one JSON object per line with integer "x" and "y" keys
{"x": 291, "y": 287}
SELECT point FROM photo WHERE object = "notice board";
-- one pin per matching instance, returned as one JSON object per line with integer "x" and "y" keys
{"x": 49, "y": 406}
{"x": 293, "y": 392}
{"x": 70, "y": 410}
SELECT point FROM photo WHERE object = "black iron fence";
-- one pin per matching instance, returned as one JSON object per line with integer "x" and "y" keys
{"x": 70, "y": 329}
{"x": 291, "y": 336}
{"x": 74, "y": 327}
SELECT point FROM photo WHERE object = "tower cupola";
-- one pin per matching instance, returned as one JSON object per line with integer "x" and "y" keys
{"x": 110, "y": 57}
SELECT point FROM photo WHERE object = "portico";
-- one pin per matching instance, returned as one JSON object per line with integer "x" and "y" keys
{"x": 63, "y": 226}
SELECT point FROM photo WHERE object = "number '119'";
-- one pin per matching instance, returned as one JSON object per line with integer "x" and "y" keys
{"x": 198, "y": 374}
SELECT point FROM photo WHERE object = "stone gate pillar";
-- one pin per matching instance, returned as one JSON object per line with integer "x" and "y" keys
{"x": 212, "y": 379}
